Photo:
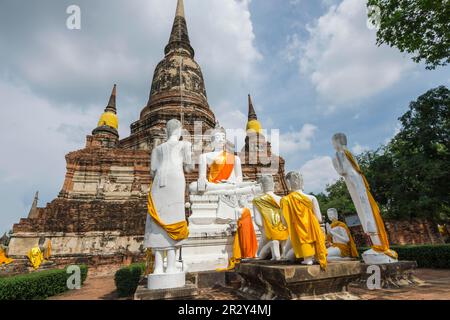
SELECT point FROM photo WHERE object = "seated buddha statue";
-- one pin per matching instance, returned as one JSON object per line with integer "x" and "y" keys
{"x": 220, "y": 171}
{"x": 339, "y": 238}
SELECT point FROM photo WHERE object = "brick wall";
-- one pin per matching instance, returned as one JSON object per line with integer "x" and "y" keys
{"x": 417, "y": 231}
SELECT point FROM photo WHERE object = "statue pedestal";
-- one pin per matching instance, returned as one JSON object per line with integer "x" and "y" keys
{"x": 211, "y": 226}
{"x": 372, "y": 257}
{"x": 266, "y": 280}
{"x": 166, "y": 280}
{"x": 392, "y": 275}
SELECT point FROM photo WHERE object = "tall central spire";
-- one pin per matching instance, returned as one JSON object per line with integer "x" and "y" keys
{"x": 179, "y": 37}
{"x": 180, "y": 9}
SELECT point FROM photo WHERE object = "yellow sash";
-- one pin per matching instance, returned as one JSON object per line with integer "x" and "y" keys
{"x": 303, "y": 226}
{"x": 271, "y": 213}
{"x": 149, "y": 261}
{"x": 3, "y": 258}
{"x": 384, "y": 247}
{"x": 48, "y": 253}
{"x": 221, "y": 168}
{"x": 177, "y": 231}
{"x": 349, "y": 249}
{"x": 36, "y": 257}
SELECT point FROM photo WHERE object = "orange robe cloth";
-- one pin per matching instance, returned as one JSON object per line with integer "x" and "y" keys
{"x": 221, "y": 168}
{"x": 245, "y": 244}
{"x": 3, "y": 258}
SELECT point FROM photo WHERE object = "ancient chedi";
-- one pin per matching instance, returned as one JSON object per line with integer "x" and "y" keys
{"x": 99, "y": 215}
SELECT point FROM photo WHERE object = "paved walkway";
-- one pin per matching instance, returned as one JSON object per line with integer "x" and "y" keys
{"x": 436, "y": 287}
{"x": 97, "y": 288}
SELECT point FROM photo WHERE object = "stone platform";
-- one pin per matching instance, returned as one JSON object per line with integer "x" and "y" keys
{"x": 188, "y": 291}
{"x": 267, "y": 280}
{"x": 392, "y": 275}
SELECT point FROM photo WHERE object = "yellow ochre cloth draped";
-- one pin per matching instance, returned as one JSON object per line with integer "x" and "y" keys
{"x": 306, "y": 235}
{"x": 109, "y": 119}
{"x": 271, "y": 213}
{"x": 245, "y": 244}
{"x": 384, "y": 247}
{"x": 349, "y": 249}
{"x": 36, "y": 257}
{"x": 3, "y": 258}
{"x": 221, "y": 168}
{"x": 149, "y": 261}
{"x": 48, "y": 252}
{"x": 177, "y": 231}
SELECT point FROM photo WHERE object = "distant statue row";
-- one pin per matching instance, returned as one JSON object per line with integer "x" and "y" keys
{"x": 290, "y": 225}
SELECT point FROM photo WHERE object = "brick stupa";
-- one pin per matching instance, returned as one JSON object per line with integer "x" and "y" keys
{"x": 99, "y": 214}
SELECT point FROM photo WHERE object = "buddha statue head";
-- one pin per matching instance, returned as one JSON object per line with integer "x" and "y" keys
{"x": 294, "y": 181}
{"x": 174, "y": 128}
{"x": 218, "y": 138}
{"x": 332, "y": 214}
{"x": 339, "y": 141}
{"x": 267, "y": 183}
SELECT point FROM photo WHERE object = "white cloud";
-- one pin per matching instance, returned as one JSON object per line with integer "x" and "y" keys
{"x": 295, "y": 141}
{"x": 66, "y": 76}
{"x": 35, "y": 137}
{"x": 317, "y": 173}
{"x": 342, "y": 60}
{"x": 358, "y": 149}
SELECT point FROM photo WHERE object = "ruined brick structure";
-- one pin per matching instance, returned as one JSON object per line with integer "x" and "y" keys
{"x": 417, "y": 231}
{"x": 99, "y": 214}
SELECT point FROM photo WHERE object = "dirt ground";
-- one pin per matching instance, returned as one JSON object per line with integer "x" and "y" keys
{"x": 436, "y": 287}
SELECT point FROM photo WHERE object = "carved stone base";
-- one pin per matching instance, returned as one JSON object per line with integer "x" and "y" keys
{"x": 393, "y": 275}
{"x": 189, "y": 290}
{"x": 268, "y": 280}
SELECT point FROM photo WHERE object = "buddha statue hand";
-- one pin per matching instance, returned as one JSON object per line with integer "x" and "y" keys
{"x": 328, "y": 228}
{"x": 201, "y": 184}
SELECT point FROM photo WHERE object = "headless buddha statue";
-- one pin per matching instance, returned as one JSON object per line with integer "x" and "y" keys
{"x": 303, "y": 216}
{"x": 220, "y": 171}
{"x": 270, "y": 221}
{"x": 339, "y": 238}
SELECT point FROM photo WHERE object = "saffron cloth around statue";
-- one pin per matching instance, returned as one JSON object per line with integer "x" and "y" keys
{"x": 367, "y": 209}
{"x": 339, "y": 238}
{"x": 269, "y": 219}
{"x": 166, "y": 226}
{"x": 303, "y": 217}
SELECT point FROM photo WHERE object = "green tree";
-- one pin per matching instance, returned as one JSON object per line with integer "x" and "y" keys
{"x": 410, "y": 176}
{"x": 419, "y": 27}
{"x": 421, "y": 158}
{"x": 336, "y": 196}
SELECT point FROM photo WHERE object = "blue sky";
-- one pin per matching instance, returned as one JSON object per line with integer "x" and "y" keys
{"x": 312, "y": 67}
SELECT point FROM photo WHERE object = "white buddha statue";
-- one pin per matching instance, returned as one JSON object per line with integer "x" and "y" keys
{"x": 220, "y": 172}
{"x": 270, "y": 221}
{"x": 340, "y": 240}
{"x": 302, "y": 212}
{"x": 166, "y": 225}
{"x": 366, "y": 207}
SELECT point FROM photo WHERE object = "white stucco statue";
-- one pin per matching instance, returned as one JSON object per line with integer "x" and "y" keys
{"x": 306, "y": 238}
{"x": 220, "y": 171}
{"x": 340, "y": 240}
{"x": 270, "y": 221}
{"x": 366, "y": 207}
{"x": 166, "y": 225}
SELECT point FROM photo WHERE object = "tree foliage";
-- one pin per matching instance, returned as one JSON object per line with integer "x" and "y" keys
{"x": 418, "y": 27}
